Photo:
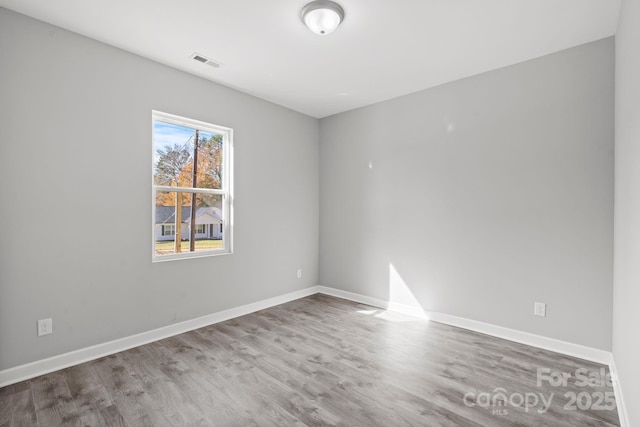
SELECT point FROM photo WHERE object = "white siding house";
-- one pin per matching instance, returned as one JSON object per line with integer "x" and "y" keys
{"x": 208, "y": 223}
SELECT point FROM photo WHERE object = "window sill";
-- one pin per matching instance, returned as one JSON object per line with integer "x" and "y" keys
{"x": 190, "y": 255}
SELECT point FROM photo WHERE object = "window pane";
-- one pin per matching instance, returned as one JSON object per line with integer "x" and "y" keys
{"x": 174, "y": 149}
{"x": 207, "y": 222}
{"x": 209, "y": 170}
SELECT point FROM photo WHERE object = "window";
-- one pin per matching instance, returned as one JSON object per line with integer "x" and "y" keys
{"x": 192, "y": 188}
{"x": 168, "y": 229}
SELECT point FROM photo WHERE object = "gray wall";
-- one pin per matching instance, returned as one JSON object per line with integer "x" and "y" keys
{"x": 75, "y": 176}
{"x": 626, "y": 288}
{"x": 481, "y": 196}
{"x": 485, "y": 195}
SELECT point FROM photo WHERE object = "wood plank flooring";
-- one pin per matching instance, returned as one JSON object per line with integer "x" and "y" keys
{"x": 316, "y": 361}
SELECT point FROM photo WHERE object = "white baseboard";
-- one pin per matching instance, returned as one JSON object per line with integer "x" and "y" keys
{"x": 617, "y": 390}
{"x": 41, "y": 367}
{"x": 375, "y": 302}
{"x": 570, "y": 349}
{"x": 51, "y": 364}
{"x": 551, "y": 344}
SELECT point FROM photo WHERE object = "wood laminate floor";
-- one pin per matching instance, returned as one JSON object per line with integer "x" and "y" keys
{"x": 313, "y": 362}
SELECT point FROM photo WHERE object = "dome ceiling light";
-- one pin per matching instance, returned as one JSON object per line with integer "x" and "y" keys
{"x": 322, "y": 16}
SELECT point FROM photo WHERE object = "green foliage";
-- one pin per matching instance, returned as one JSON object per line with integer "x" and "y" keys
{"x": 210, "y": 162}
{"x": 174, "y": 167}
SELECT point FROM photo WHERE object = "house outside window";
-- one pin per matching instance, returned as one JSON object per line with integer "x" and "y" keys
{"x": 192, "y": 188}
{"x": 168, "y": 229}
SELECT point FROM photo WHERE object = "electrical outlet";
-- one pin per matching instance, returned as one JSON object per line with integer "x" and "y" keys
{"x": 299, "y": 273}
{"x": 540, "y": 309}
{"x": 45, "y": 327}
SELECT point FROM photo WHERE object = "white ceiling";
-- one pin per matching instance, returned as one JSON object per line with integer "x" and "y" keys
{"x": 383, "y": 49}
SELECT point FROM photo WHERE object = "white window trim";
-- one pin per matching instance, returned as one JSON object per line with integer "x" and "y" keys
{"x": 162, "y": 229}
{"x": 226, "y": 191}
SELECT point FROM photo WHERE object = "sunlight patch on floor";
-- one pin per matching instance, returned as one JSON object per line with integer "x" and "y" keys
{"x": 402, "y": 305}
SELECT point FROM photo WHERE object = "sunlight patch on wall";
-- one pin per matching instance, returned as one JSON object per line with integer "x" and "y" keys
{"x": 401, "y": 298}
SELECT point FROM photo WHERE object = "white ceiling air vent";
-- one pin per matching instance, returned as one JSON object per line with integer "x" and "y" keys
{"x": 205, "y": 60}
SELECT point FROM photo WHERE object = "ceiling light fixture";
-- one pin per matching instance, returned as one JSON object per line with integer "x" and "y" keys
{"x": 322, "y": 16}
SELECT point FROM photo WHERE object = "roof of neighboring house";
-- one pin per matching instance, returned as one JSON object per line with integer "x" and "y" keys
{"x": 166, "y": 214}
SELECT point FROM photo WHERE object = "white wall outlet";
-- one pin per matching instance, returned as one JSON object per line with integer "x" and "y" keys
{"x": 540, "y": 309}
{"x": 45, "y": 327}
{"x": 299, "y": 273}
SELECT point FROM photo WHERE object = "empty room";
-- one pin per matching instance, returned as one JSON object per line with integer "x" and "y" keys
{"x": 319, "y": 213}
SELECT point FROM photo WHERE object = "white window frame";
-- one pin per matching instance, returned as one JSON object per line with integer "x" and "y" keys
{"x": 164, "y": 227}
{"x": 226, "y": 191}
